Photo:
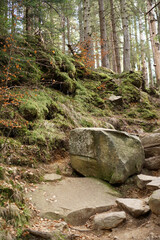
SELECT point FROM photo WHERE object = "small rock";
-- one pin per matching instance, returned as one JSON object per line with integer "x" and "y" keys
{"x": 154, "y": 202}
{"x": 115, "y": 99}
{"x": 135, "y": 207}
{"x": 142, "y": 180}
{"x": 52, "y": 177}
{"x": 151, "y": 140}
{"x": 152, "y": 163}
{"x": 154, "y": 185}
{"x": 152, "y": 151}
{"x": 108, "y": 220}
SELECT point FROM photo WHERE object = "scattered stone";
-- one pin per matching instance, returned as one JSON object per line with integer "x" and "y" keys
{"x": 151, "y": 140}
{"x": 142, "y": 180}
{"x": 152, "y": 151}
{"x": 52, "y": 177}
{"x": 152, "y": 163}
{"x": 116, "y": 99}
{"x": 73, "y": 199}
{"x": 135, "y": 207}
{"x": 108, "y": 220}
{"x": 154, "y": 185}
{"x": 106, "y": 154}
{"x": 154, "y": 202}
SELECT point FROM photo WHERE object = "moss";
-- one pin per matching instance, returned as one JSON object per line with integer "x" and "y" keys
{"x": 65, "y": 63}
{"x": 129, "y": 92}
{"x": 2, "y": 173}
{"x": 105, "y": 70}
{"x": 86, "y": 123}
{"x": 36, "y": 105}
{"x": 135, "y": 78}
{"x": 45, "y": 134}
{"x": 98, "y": 76}
{"x": 147, "y": 114}
{"x": 144, "y": 101}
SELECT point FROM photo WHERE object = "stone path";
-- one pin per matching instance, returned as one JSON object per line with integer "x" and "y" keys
{"x": 73, "y": 199}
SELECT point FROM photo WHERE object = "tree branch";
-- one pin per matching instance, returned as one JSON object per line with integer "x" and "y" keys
{"x": 50, "y": 5}
{"x": 153, "y": 7}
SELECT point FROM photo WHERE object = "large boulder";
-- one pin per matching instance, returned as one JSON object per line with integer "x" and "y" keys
{"x": 106, "y": 154}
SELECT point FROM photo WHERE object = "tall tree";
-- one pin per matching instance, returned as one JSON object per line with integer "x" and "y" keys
{"x": 81, "y": 22}
{"x": 154, "y": 42}
{"x": 126, "y": 41}
{"x": 103, "y": 35}
{"x": 88, "y": 43}
{"x": 115, "y": 38}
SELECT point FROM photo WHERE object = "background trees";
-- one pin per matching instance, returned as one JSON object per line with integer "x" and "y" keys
{"x": 120, "y": 34}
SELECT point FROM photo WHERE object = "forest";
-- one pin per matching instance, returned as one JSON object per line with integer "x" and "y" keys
{"x": 64, "y": 65}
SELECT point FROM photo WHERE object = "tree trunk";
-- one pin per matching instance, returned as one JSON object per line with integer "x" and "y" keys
{"x": 126, "y": 43}
{"x": 143, "y": 60}
{"x": 113, "y": 55}
{"x": 28, "y": 20}
{"x": 13, "y": 18}
{"x": 80, "y": 20}
{"x": 137, "y": 44}
{"x": 115, "y": 38}
{"x": 68, "y": 31}
{"x": 88, "y": 43}
{"x": 97, "y": 53}
{"x": 151, "y": 83}
{"x": 103, "y": 35}
{"x": 155, "y": 45}
{"x": 159, "y": 22}
{"x": 63, "y": 34}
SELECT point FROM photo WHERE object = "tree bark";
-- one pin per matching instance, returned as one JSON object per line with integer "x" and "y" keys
{"x": 68, "y": 31}
{"x": 97, "y": 53}
{"x": 151, "y": 83}
{"x": 28, "y": 20}
{"x": 88, "y": 43}
{"x": 126, "y": 43}
{"x": 137, "y": 44}
{"x": 103, "y": 35}
{"x": 13, "y": 18}
{"x": 154, "y": 43}
{"x": 63, "y": 34}
{"x": 143, "y": 60}
{"x": 115, "y": 38}
{"x": 81, "y": 23}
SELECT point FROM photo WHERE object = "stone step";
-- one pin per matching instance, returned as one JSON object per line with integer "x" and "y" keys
{"x": 154, "y": 185}
{"x": 152, "y": 163}
{"x": 136, "y": 207}
{"x": 108, "y": 220}
{"x": 142, "y": 180}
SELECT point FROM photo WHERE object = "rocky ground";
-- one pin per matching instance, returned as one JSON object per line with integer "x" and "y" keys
{"x": 143, "y": 227}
